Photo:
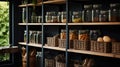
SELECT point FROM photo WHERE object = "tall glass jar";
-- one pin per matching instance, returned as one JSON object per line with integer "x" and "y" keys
{"x": 114, "y": 12}
{"x": 48, "y": 17}
{"x": 23, "y": 15}
{"x": 63, "y": 17}
{"x": 87, "y": 13}
{"x": 96, "y": 12}
{"x": 63, "y": 34}
{"x": 103, "y": 17}
{"x": 39, "y": 37}
{"x": 25, "y": 34}
{"x": 77, "y": 16}
{"x": 59, "y": 17}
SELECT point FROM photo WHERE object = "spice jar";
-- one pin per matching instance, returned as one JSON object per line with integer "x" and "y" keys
{"x": 87, "y": 13}
{"x": 94, "y": 34}
{"x": 77, "y": 17}
{"x": 39, "y": 37}
{"x": 103, "y": 17}
{"x": 114, "y": 12}
{"x": 83, "y": 35}
{"x": 96, "y": 12}
{"x": 63, "y": 34}
{"x": 73, "y": 35}
{"x": 63, "y": 17}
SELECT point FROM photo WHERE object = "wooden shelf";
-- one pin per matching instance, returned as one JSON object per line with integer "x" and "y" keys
{"x": 85, "y": 23}
{"x": 54, "y": 48}
{"x": 31, "y": 44}
{"x": 46, "y": 2}
{"x": 91, "y": 53}
{"x": 13, "y": 49}
{"x": 29, "y": 23}
{"x": 95, "y": 23}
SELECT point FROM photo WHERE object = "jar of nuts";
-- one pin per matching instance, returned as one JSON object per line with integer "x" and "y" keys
{"x": 83, "y": 35}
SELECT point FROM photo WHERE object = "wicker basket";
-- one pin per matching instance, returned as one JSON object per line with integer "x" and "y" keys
{"x": 49, "y": 62}
{"x": 52, "y": 41}
{"x": 62, "y": 43}
{"x": 116, "y": 47}
{"x": 81, "y": 45}
{"x": 104, "y": 47}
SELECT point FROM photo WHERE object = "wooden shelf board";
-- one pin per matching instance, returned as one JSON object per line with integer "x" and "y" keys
{"x": 31, "y": 44}
{"x": 91, "y": 53}
{"x": 46, "y": 2}
{"x": 54, "y": 48}
{"x": 29, "y": 23}
{"x": 117, "y": 55}
{"x": 95, "y": 23}
{"x": 54, "y": 24}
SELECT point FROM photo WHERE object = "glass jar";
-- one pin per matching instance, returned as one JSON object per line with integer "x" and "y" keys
{"x": 54, "y": 19}
{"x": 73, "y": 34}
{"x": 83, "y": 35}
{"x": 39, "y": 19}
{"x": 25, "y": 35}
{"x": 48, "y": 17}
{"x": 39, "y": 37}
{"x": 77, "y": 17}
{"x": 33, "y": 17}
{"x": 63, "y": 34}
{"x": 114, "y": 12}
{"x": 103, "y": 17}
{"x": 87, "y": 13}
{"x": 94, "y": 34}
{"x": 23, "y": 15}
{"x": 59, "y": 17}
{"x": 30, "y": 36}
{"x": 63, "y": 17}
{"x": 34, "y": 37}
{"x": 96, "y": 12}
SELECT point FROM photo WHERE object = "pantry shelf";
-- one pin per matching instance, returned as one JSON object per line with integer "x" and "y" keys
{"x": 29, "y": 23}
{"x": 31, "y": 44}
{"x": 46, "y": 2}
{"x": 95, "y": 23}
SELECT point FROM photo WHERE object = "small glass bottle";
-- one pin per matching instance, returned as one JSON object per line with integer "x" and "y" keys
{"x": 103, "y": 17}
{"x": 96, "y": 12}
{"x": 77, "y": 17}
{"x": 63, "y": 17}
{"x": 114, "y": 12}
{"x": 63, "y": 34}
{"x": 87, "y": 13}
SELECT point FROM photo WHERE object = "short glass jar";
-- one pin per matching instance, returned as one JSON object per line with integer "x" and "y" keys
{"x": 77, "y": 16}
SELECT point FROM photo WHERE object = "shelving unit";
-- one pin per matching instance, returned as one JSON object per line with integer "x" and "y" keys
{"x": 48, "y": 29}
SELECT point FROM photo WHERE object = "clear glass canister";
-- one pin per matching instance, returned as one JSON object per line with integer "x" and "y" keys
{"x": 63, "y": 34}
{"x": 34, "y": 37}
{"x": 25, "y": 34}
{"x": 114, "y": 12}
{"x": 83, "y": 35}
{"x": 39, "y": 37}
{"x": 96, "y": 12}
{"x": 23, "y": 15}
{"x": 48, "y": 17}
{"x": 39, "y": 19}
{"x": 54, "y": 19}
{"x": 73, "y": 34}
{"x": 59, "y": 16}
{"x": 103, "y": 17}
{"x": 30, "y": 36}
{"x": 94, "y": 34}
{"x": 63, "y": 17}
{"x": 87, "y": 13}
{"x": 77, "y": 16}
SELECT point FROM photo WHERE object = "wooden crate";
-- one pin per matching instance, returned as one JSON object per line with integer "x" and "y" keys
{"x": 81, "y": 45}
{"x": 62, "y": 43}
{"x": 52, "y": 41}
{"x": 116, "y": 47}
{"x": 49, "y": 62}
{"x": 104, "y": 47}
{"x": 60, "y": 64}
